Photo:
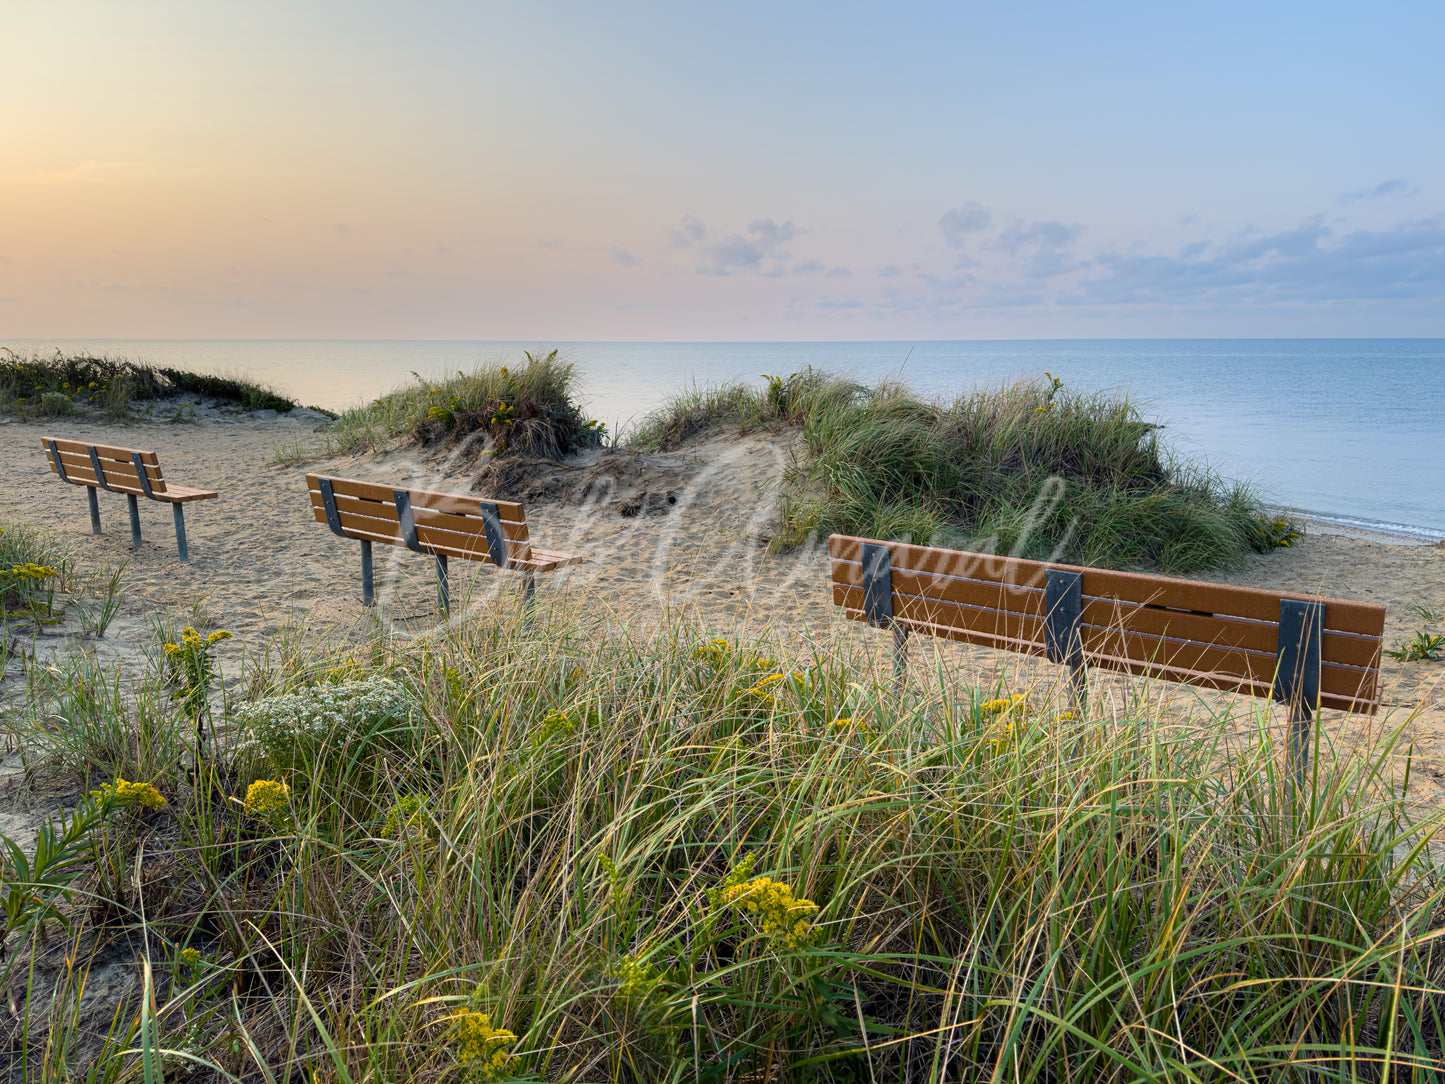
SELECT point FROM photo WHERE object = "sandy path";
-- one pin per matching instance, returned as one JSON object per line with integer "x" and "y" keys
{"x": 259, "y": 561}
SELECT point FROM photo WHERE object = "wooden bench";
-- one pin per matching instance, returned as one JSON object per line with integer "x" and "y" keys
{"x": 442, "y": 524}
{"x": 121, "y": 470}
{"x": 1301, "y": 650}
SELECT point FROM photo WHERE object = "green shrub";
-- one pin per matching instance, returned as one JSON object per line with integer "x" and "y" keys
{"x": 36, "y": 383}
{"x": 527, "y": 411}
{"x": 1031, "y": 468}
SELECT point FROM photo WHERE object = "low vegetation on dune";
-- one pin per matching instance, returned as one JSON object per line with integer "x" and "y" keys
{"x": 40, "y": 386}
{"x": 1032, "y": 468}
{"x": 526, "y": 411}
{"x": 489, "y": 854}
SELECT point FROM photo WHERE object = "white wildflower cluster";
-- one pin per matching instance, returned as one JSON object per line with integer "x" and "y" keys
{"x": 325, "y": 716}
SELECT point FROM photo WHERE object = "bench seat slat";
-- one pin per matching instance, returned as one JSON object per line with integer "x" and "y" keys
{"x": 1339, "y": 689}
{"x": 1131, "y": 622}
{"x": 385, "y": 511}
{"x": 1361, "y": 618}
{"x": 79, "y": 448}
{"x": 536, "y": 563}
{"x": 470, "y": 544}
{"x": 1105, "y": 613}
{"x": 118, "y": 474}
{"x": 507, "y": 511}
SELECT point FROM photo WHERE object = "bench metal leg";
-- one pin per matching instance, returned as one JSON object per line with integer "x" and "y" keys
{"x": 900, "y": 657}
{"x": 134, "y": 521}
{"x": 368, "y": 590}
{"x": 178, "y": 510}
{"x": 444, "y": 595}
{"x": 1300, "y": 718}
{"x": 94, "y": 510}
{"x": 529, "y": 594}
{"x": 1297, "y": 677}
{"x": 1079, "y": 687}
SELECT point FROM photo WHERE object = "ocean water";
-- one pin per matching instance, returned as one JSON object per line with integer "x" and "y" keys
{"x": 1345, "y": 429}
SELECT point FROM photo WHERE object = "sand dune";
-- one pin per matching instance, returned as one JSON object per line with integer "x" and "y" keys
{"x": 682, "y": 532}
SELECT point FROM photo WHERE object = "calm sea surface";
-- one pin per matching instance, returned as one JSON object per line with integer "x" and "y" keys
{"x": 1349, "y": 429}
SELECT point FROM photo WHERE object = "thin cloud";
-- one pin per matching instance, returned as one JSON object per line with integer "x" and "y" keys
{"x": 623, "y": 258}
{"x": 735, "y": 253}
{"x": 958, "y": 222}
{"x": 1395, "y": 186}
{"x": 1307, "y": 263}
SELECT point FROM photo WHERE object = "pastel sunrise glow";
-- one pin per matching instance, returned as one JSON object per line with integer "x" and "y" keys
{"x": 749, "y": 171}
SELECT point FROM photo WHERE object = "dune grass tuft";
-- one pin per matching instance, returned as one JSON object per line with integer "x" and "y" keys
{"x": 1031, "y": 468}
{"x": 528, "y": 410}
{"x": 36, "y": 385}
{"x": 593, "y": 856}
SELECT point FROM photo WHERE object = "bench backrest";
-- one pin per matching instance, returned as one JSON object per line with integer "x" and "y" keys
{"x": 104, "y": 467}
{"x": 437, "y": 523}
{"x": 1211, "y": 635}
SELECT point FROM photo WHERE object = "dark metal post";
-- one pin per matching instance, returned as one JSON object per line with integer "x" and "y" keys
{"x": 368, "y": 592}
{"x": 1063, "y": 621}
{"x": 444, "y": 595}
{"x": 529, "y": 594}
{"x": 94, "y": 510}
{"x": 179, "y": 509}
{"x": 1297, "y": 675}
{"x": 878, "y": 604}
{"x": 134, "y": 521}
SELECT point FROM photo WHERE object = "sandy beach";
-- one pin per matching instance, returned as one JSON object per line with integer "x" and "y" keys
{"x": 684, "y": 532}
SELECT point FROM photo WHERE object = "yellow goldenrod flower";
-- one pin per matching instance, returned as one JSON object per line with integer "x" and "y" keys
{"x": 1003, "y": 704}
{"x": 219, "y": 634}
{"x": 264, "y": 795}
{"x": 191, "y": 956}
{"x": 474, "y": 1040}
{"x": 123, "y": 793}
{"x": 771, "y": 903}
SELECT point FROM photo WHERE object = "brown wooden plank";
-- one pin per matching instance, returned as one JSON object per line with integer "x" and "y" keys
{"x": 512, "y": 530}
{"x": 1365, "y": 618}
{"x": 1003, "y": 624}
{"x": 1176, "y": 654}
{"x": 106, "y": 451}
{"x": 123, "y": 470}
{"x": 444, "y": 502}
{"x": 947, "y": 588}
{"x": 532, "y": 564}
{"x": 430, "y": 537}
{"x": 961, "y": 635}
{"x": 84, "y": 474}
{"x": 1341, "y": 690}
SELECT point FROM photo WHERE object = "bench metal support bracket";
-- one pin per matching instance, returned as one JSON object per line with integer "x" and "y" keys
{"x": 59, "y": 465}
{"x": 179, "y": 509}
{"x": 496, "y": 540}
{"x": 406, "y": 520}
{"x": 328, "y": 503}
{"x": 1063, "y": 621}
{"x": 99, "y": 471}
{"x": 1297, "y": 674}
{"x": 94, "y": 509}
{"x": 140, "y": 472}
{"x": 444, "y": 593}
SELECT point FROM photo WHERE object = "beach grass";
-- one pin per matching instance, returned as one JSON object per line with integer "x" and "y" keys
{"x": 40, "y": 385}
{"x": 1030, "y": 468}
{"x": 590, "y": 854}
{"x": 34, "y": 564}
{"x": 528, "y": 410}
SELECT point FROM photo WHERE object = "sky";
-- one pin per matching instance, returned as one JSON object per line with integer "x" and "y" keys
{"x": 743, "y": 171}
